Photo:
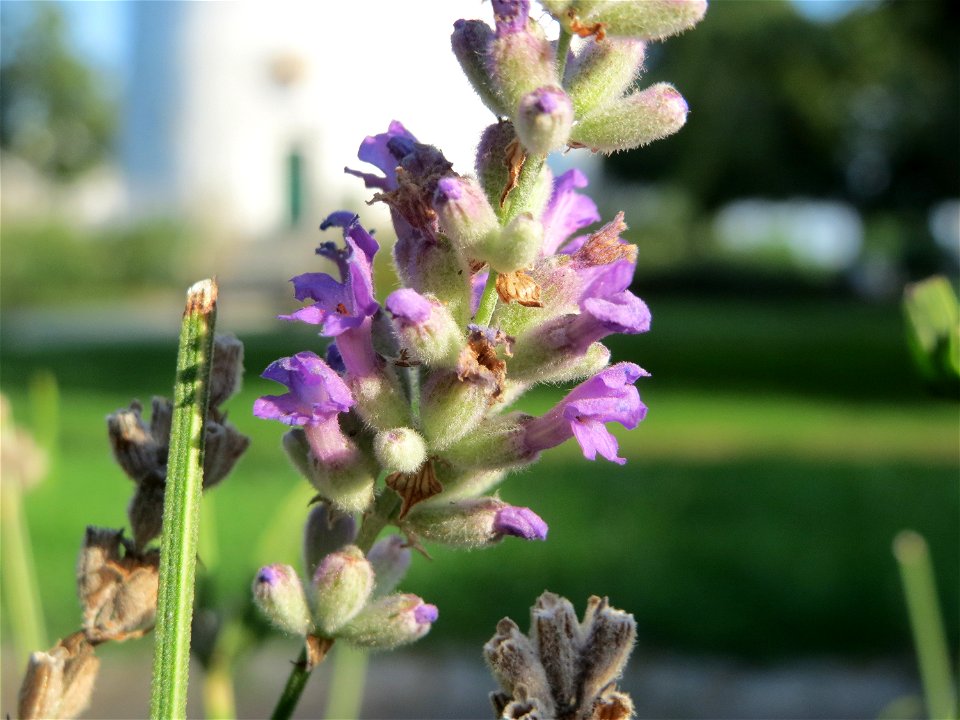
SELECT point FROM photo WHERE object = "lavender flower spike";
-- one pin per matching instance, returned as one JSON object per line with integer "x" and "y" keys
{"x": 316, "y": 395}
{"x": 609, "y": 396}
{"x": 520, "y": 522}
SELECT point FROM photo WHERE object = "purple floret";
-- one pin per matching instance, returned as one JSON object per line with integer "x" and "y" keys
{"x": 426, "y": 614}
{"x": 385, "y": 152}
{"x": 567, "y": 211}
{"x": 408, "y": 306}
{"x": 520, "y": 522}
{"x": 316, "y": 394}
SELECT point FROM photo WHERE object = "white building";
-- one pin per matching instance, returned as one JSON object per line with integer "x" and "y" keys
{"x": 243, "y": 115}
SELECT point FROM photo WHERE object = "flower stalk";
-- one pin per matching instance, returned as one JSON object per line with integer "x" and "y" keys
{"x": 181, "y": 512}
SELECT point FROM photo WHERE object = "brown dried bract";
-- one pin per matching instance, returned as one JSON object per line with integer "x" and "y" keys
{"x": 519, "y": 287}
{"x": 598, "y": 30}
{"x": 58, "y": 683}
{"x": 479, "y": 362}
{"x": 317, "y": 649}
{"x": 415, "y": 487}
{"x": 118, "y": 592}
{"x": 605, "y": 246}
{"x": 404, "y": 360}
{"x": 514, "y": 160}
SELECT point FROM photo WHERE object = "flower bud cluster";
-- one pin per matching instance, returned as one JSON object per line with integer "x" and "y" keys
{"x": 563, "y": 668}
{"x": 586, "y": 98}
{"x": 348, "y": 595}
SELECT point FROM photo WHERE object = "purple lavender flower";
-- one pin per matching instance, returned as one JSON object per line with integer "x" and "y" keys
{"x": 408, "y": 306}
{"x": 343, "y": 309}
{"x": 567, "y": 211}
{"x": 609, "y": 396}
{"x": 520, "y": 522}
{"x": 316, "y": 394}
{"x": 385, "y": 152}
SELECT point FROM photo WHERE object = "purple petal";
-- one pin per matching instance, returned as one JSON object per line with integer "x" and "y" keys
{"x": 594, "y": 438}
{"x": 408, "y": 305}
{"x": 567, "y": 211}
{"x": 316, "y": 394}
{"x": 320, "y": 288}
{"x": 510, "y": 16}
{"x": 426, "y": 614}
{"x": 376, "y": 150}
{"x": 620, "y": 313}
{"x": 520, "y": 522}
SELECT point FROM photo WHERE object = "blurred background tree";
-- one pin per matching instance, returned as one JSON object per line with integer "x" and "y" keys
{"x": 55, "y": 112}
{"x": 863, "y": 110}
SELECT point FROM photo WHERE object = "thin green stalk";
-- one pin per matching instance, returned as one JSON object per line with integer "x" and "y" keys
{"x": 384, "y": 509}
{"x": 219, "y": 698}
{"x": 45, "y": 418}
{"x": 488, "y": 301}
{"x": 181, "y": 507}
{"x": 916, "y": 572}
{"x": 25, "y": 615}
{"x": 563, "y": 49}
{"x": 346, "y": 683}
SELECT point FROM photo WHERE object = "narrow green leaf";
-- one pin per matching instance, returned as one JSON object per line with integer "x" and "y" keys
{"x": 181, "y": 508}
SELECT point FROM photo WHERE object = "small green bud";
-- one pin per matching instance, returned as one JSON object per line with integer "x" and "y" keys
{"x": 516, "y": 247}
{"x": 450, "y": 408}
{"x": 391, "y": 621}
{"x": 537, "y": 360}
{"x": 428, "y": 331}
{"x": 602, "y": 73}
{"x": 342, "y": 585}
{"x": 646, "y": 20}
{"x": 608, "y": 636}
{"x": 326, "y": 530}
{"x": 638, "y": 119}
{"x": 464, "y": 213}
{"x": 390, "y": 558}
{"x": 399, "y": 450}
{"x": 344, "y": 476}
{"x": 493, "y": 159}
{"x": 495, "y": 444}
{"x": 543, "y": 120}
{"x": 474, "y": 523}
{"x": 379, "y": 399}
{"x": 278, "y": 594}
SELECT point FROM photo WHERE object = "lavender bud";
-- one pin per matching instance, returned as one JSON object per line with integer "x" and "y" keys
{"x": 145, "y": 510}
{"x": 647, "y": 20}
{"x": 59, "y": 683}
{"x": 475, "y": 523}
{"x": 471, "y": 42}
{"x": 515, "y": 665}
{"x": 555, "y": 631}
{"x": 516, "y": 247}
{"x": 342, "y": 585}
{"x": 227, "y": 371}
{"x": 608, "y": 638}
{"x": 333, "y": 464}
{"x": 224, "y": 445}
{"x": 464, "y": 213}
{"x": 390, "y": 558}
{"x": 539, "y": 360}
{"x": 326, "y": 531}
{"x": 134, "y": 447}
{"x": 494, "y": 159}
{"x": 118, "y": 591}
{"x": 521, "y": 58}
{"x": 279, "y": 595}
{"x": 543, "y": 120}
{"x": 399, "y": 450}
{"x": 426, "y": 328}
{"x": 391, "y": 621}
{"x": 638, "y": 119}
{"x": 603, "y": 73}
{"x": 450, "y": 408}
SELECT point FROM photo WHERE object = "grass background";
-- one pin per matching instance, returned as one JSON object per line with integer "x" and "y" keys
{"x": 787, "y": 443}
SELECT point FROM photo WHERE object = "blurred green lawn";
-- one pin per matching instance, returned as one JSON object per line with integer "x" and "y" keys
{"x": 786, "y": 444}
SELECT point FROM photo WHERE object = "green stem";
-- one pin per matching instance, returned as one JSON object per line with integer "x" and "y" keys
{"x": 916, "y": 572}
{"x": 181, "y": 506}
{"x": 19, "y": 575}
{"x": 384, "y": 509}
{"x": 346, "y": 683}
{"x": 563, "y": 49}
{"x": 219, "y": 698}
{"x": 488, "y": 301}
